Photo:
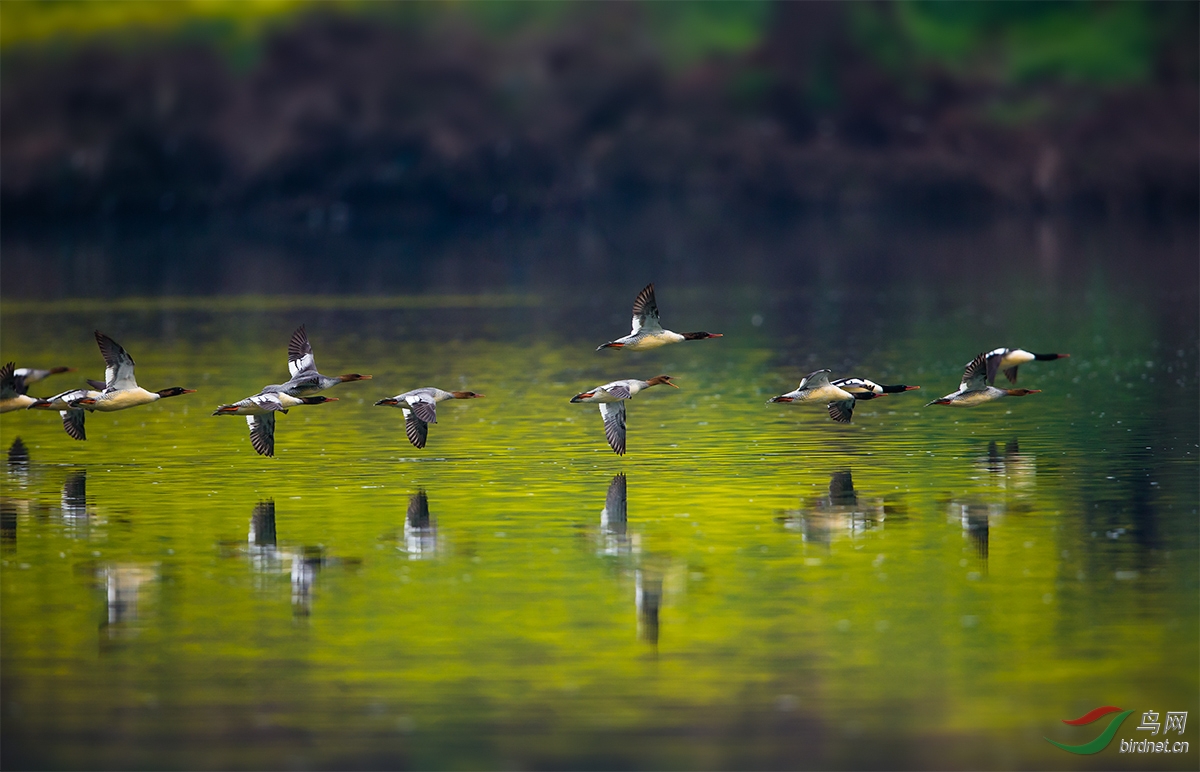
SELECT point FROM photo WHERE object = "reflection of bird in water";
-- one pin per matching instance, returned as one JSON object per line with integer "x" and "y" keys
{"x": 18, "y": 459}
{"x": 74, "y": 496}
{"x": 614, "y": 521}
{"x": 264, "y": 556}
{"x": 649, "y": 589}
{"x": 262, "y": 524}
{"x": 305, "y": 566}
{"x": 611, "y": 399}
{"x": 1009, "y": 359}
{"x": 975, "y": 519}
{"x": 974, "y": 389}
{"x": 1011, "y": 467}
{"x": 841, "y": 511}
{"x": 647, "y": 331}
{"x": 123, "y": 583}
{"x": 8, "y": 522}
{"x": 420, "y": 530}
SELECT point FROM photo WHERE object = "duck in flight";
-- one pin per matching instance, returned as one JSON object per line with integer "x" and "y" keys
{"x": 611, "y": 398}
{"x": 12, "y": 390}
{"x": 121, "y": 390}
{"x": 974, "y": 389}
{"x": 260, "y": 413}
{"x": 420, "y": 409}
{"x": 31, "y": 375}
{"x": 1009, "y": 359}
{"x": 816, "y": 387}
{"x": 864, "y": 388}
{"x": 648, "y": 332}
{"x": 305, "y": 380}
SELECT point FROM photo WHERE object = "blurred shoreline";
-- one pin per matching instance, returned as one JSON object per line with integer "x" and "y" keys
{"x": 346, "y": 124}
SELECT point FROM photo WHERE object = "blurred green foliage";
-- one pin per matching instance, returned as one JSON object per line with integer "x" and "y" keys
{"x": 1098, "y": 43}
{"x": 1101, "y": 43}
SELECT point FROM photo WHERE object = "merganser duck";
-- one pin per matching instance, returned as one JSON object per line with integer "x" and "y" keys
{"x": 260, "y": 415}
{"x": 120, "y": 388}
{"x": 974, "y": 389}
{"x": 611, "y": 397}
{"x": 305, "y": 380}
{"x": 420, "y": 409}
{"x": 72, "y": 418}
{"x": 1008, "y": 359}
{"x": 31, "y": 375}
{"x": 12, "y": 390}
{"x": 816, "y": 387}
{"x": 647, "y": 332}
{"x": 864, "y": 388}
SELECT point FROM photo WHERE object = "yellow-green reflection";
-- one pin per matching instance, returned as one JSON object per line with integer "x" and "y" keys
{"x": 752, "y": 585}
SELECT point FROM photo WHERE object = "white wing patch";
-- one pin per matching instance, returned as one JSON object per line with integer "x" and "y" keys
{"x": 300, "y": 355}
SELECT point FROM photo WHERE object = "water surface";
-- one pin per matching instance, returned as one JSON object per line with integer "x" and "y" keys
{"x": 751, "y": 586}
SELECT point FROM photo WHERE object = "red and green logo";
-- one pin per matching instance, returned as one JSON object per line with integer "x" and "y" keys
{"x": 1101, "y": 742}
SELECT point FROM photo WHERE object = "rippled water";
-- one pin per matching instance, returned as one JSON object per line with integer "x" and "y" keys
{"x": 924, "y": 587}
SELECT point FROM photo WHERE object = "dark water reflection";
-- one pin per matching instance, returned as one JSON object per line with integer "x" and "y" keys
{"x": 746, "y": 588}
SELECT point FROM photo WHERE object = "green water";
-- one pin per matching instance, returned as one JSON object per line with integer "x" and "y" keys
{"x": 993, "y": 572}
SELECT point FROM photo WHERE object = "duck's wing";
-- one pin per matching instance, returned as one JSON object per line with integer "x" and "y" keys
{"x": 814, "y": 380}
{"x": 262, "y": 433}
{"x": 300, "y": 355}
{"x": 993, "y": 358}
{"x": 613, "y": 414}
{"x": 645, "y": 311}
{"x": 423, "y": 407}
{"x": 118, "y": 365}
{"x": 618, "y": 390}
{"x": 842, "y": 411}
{"x": 10, "y": 384}
{"x": 267, "y": 400}
{"x": 975, "y": 376}
{"x": 73, "y": 423}
{"x": 96, "y": 385}
{"x": 416, "y": 429}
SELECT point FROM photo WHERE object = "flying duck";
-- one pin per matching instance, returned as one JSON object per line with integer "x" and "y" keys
{"x": 305, "y": 380}
{"x": 120, "y": 387}
{"x": 611, "y": 397}
{"x": 1008, "y": 359}
{"x": 32, "y": 375}
{"x": 72, "y": 418}
{"x": 816, "y": 387}
{"x": 12, "y": 390}
{"x": 974, "y": 389}
{"x": 260, "y": 415}
{"x": 420, "y": 409}
{"x": 647, "y": 332}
